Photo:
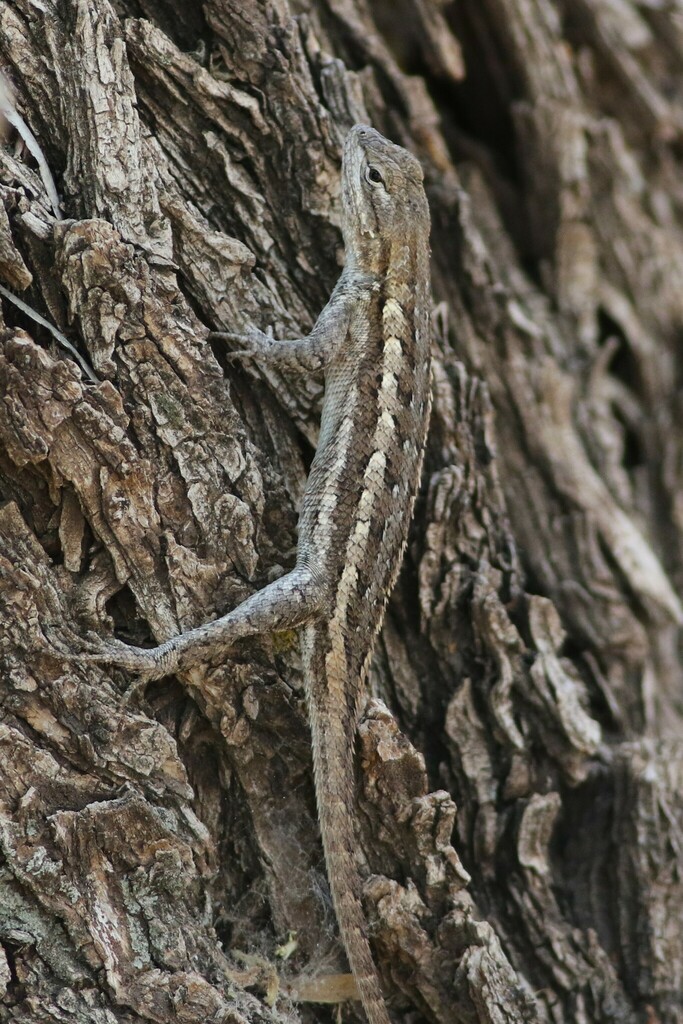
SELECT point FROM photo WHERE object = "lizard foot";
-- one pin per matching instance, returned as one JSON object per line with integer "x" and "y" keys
{"x": 91, "y": 647}
{"x": 139, "y": 661}
{"x": 257, "y": 342}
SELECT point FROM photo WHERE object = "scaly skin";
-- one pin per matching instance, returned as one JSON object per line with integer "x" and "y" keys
{"x": 373, "y": 341}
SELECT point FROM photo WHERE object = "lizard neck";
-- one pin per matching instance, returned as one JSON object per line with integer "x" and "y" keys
{"x": 383, "y": 254}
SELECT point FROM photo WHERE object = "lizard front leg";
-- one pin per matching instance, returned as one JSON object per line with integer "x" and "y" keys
{"x": 296, "y": 597}
{"x": 314, "y": 351}
{"x": 288, "y": 602}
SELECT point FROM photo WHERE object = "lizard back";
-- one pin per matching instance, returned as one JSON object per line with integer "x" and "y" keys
{"x": 362, "y": 485}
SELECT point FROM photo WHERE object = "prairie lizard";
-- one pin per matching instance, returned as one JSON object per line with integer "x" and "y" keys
{"x": 373, "y": 342}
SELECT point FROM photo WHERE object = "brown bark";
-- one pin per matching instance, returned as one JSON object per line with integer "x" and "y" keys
{"x": 157, "y": 856}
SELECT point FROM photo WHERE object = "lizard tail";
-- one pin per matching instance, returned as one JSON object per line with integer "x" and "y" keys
{"x": 334, "y": 786}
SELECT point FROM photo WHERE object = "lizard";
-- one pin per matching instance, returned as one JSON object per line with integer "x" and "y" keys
{"x": 372, "y": 342}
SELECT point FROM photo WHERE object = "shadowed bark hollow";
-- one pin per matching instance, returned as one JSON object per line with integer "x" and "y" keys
{"x": 520, "y": 803}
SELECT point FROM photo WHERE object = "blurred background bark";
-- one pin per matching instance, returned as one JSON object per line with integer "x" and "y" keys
{"x": 521, "y": 807}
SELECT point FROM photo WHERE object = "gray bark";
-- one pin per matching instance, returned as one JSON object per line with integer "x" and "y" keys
{"x": 520, "y": 804}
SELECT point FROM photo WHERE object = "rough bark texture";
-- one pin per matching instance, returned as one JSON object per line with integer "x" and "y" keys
{"x": 521, "y": 805}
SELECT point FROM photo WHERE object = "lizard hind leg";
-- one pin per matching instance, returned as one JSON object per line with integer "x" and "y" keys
{"x": 288, "y": 602}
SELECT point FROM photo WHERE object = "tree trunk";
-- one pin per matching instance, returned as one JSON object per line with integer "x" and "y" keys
{"x": 159, "y": 856}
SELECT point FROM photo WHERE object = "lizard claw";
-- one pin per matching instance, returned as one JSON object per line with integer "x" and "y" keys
{"x": 130, "y": 692}
{"x": 90, "y": 648}
{"x": 241, "y": 353}
{"x": 69, "y": 645}
{"x": 137, "y": 660}
{"x": 256, "y": 341}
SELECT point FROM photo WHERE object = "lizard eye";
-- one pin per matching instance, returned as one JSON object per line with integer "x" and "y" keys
{"x": 373, "y": 175}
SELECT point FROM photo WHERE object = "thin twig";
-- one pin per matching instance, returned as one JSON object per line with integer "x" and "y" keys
{"x": 16, "y": 120}
{"x": 64, "y": 342}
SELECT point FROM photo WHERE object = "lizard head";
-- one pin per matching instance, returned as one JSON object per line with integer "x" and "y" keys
{"x": 382, "y": 191}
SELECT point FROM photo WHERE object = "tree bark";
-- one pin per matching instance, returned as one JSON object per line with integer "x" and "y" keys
{"x": 520, "y": 804}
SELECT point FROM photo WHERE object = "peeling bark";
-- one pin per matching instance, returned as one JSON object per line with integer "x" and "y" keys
{"x": 520, "y": 803}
